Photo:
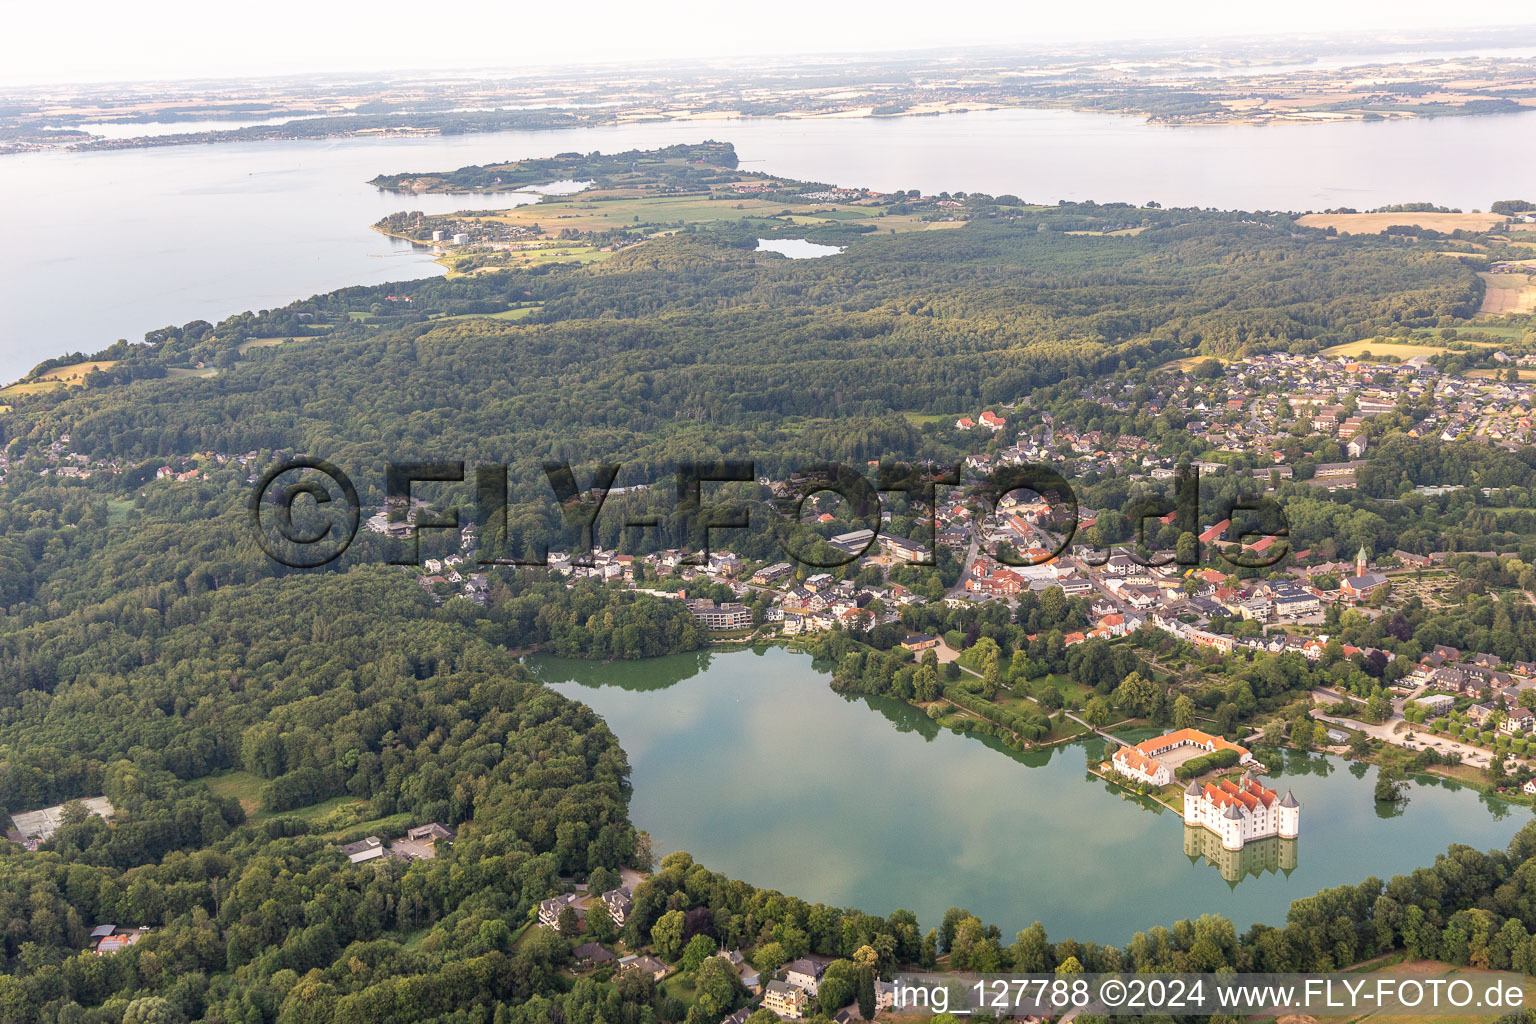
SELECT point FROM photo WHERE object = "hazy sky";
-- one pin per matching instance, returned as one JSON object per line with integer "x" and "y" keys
{"x": 94, "y": 40}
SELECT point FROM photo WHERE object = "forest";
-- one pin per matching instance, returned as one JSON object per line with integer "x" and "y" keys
{"x": 682, "y": 165}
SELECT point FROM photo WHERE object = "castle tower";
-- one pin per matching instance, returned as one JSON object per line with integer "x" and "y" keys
{"x": 1192, "y": 801}
{"x": 1289, "y": 816}
{"x": 1361, "y": 558}
{"x": 1232, "y": 828}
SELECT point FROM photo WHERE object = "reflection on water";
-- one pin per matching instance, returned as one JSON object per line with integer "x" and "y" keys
{"x": 635, "y": 676}
{"x": 1256, "y": 858}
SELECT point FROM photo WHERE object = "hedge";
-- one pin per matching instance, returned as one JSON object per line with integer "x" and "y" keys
{"x": 1206, "y": 762}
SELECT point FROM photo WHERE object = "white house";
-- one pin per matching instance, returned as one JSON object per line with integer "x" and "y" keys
{"x": 1133, "y": 764}
{"x": 805, "y": 974}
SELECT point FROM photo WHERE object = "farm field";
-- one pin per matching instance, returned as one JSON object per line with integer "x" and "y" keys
{"x": 1188, "y": 363}
{"x": 1378, "y": 347}
{"x": 615, "y": 211}
{"x": 1508, "y": 293}
{"x": 72, "y": 375}
{"x": 1122, "y": 233}
{"x": 1491, "y": 374}
{"x": 1371, "y": 223}
{"x": 506, "y": 314}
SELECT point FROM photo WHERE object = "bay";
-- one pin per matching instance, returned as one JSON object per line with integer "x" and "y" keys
{"x": 109, "y": 245}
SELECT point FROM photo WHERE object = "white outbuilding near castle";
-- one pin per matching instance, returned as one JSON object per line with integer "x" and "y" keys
{"x": 1152, "y": 761}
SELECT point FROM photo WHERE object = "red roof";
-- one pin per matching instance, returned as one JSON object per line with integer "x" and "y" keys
{"x": 1215, "y": 532}
{"x": 1180, "y": 737}
{"x": 1249, "y": 795}
{"x": 1133, "y": 758}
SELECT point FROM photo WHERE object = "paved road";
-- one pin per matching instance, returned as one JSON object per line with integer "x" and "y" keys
{"x": 958, "y": 590}
{"x": 1401, "y": 732}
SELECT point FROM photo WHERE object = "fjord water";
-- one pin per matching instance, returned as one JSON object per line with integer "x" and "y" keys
{"x": 111, "y": 244}
{"x": 751, "y": 763}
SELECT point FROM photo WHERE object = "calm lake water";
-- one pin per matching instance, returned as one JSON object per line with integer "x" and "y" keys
{"x": 797, "y": 248}
{"x": 110, "y": 245}
{"x": 750, "y": 762}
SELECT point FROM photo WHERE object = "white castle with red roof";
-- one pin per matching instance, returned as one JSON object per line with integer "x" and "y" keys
{"x": 1241, "y": 811}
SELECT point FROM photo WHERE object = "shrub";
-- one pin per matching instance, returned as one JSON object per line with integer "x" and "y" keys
{"x": 1205, "y": 763}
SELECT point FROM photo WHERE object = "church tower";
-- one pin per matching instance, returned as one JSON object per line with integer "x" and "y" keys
{"x": 1361, "y": 559}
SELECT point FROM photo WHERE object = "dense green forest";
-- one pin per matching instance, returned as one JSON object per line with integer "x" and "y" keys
{"x": 152, "y": 653}
{"x": 684, "y": 165}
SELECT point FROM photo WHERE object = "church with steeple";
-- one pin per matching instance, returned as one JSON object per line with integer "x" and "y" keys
{"x": 1363, "y": 582}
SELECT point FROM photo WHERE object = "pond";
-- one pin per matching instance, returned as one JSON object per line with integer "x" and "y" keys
{"x": 751, "y": 763}
{"x": 797, "y": 248}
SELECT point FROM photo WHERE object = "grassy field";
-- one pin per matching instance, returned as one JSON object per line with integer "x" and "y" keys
{"x": 246, "y": 788}
{"x": 1396, "y": 965}
{"x": 1069, "y": 688}
{"x": 644, "y": 215}
{"x": 1513, "y": 331}
{"x": 1371, "y": 223}
{"x": 1189, "y": 363}
{"x": 72, "y": 375}
{"x": 250, "y": 343}
{"x": 1508, "y": 293}
{"x": 505, "y": 314}
{"x": 119, "y": 511}
{"x": 243, "y": 786}
{"x": 619, "y": 209}
{"x": 1122, "y": 233}
{"x": 917, "y": 419}
{"x": 392, "y": 825}
{"x": 1499, "y": 374}
{"x": 1063, "y": 731}
{"x": 1377, "y": 347}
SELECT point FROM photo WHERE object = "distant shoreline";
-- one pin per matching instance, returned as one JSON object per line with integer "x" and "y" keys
{"x": 310, "y": 128}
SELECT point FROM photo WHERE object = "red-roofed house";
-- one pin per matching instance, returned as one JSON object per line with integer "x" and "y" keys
{"x": 1133, "y": 764}
{"x": 1216, "y": 532}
